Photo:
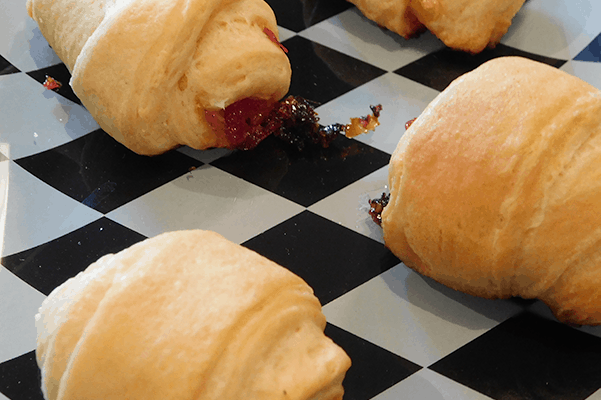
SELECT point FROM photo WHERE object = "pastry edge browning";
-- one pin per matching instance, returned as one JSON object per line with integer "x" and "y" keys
{"x": 131, "y": 316}
{"x": 153, "y": 94}
{"x": 488, "y": 192}
{"x": 466, "y": 25}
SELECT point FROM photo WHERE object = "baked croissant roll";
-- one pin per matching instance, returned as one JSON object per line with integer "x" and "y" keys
{"x": 150, "y": 70}
{"x": 395, "y": 15}
{"x": 469, "y": 25}
{"x": 495, "y": 189}
{"x": 186, "y": 315}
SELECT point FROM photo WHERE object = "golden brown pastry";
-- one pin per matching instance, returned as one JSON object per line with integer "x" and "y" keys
{"x": 395, "y": 15}
{"x": 495, "y": 190}
{"x": 186, "y": 315}
{"x": 147, "y": 70}
{"x": 469, "y": 25}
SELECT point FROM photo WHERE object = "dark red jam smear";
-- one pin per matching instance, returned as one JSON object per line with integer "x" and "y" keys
{"x": 294, "y": 120}
{"x": 52, "y": 84}
{"x": 243, "y": 120}
{"x": 376, "y": 206}
{"x": 274, "y": 39}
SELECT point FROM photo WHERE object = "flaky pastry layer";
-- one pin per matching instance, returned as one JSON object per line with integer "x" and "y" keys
{"x": 186, "y": 315}
{"x": 147, "y": 70}
{"x": 496, "y": 188}
{"x": 468, "y": 25}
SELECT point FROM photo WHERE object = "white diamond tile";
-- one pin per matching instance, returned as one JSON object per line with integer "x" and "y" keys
{"x": 38, "y": 213}
{"x": 353, "y": 34}
{"x": 402, "y": 100}
{"x": 35, "y": 119}
{"x": 587, "y": 71}
{"x": 206, "y": 198}
{"x": 22, "y": 42}
{"x": 429, "y": 385}
{"x": 206, "y": 156}
{"x": 555, "y": 28}
{"x": 19, "y": 304}
{"x": 349, "y": 206}
{"x": 416, "y": 317}
{"x": 595, "y": 396}
{"x": 285, "y": 34}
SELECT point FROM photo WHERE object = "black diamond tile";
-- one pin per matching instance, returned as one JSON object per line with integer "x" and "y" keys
{"x": 528, "y": 357}
{"x": 437, "y": 70}
{"x": 103, "y": 174}
{"x": 297, "y": 15}
{"x": 47, "y": 266}
{"x": 373, "y": 368}
{"x": 20, "y": 378}
{"x": 329, "y": 257}
{"x": 321, "y": 74}
{"x": 592, "y": 52}
{"x": 307, "y": 176}
{"x": 6, "y": 67}
{"x": 60, "y": 73}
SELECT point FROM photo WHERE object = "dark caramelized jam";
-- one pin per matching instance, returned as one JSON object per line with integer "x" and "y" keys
{"x": 247, "y": 122}
{"x": 296, "y": 122}
{"x": 364, "y": 124}
{"x": 243, "y": 120}
{"x": 376, "y": 206}
{"x": 409, "y": 123}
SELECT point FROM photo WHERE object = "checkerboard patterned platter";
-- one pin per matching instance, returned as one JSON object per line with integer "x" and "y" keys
{"x": 69, "y": 194}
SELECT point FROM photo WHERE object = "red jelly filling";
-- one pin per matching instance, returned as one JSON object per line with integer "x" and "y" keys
{"x": 245, "y": 123}
{"x": 241, "y": 122}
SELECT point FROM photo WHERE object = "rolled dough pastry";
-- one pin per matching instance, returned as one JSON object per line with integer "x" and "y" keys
{"x": 186, "y": 315}
{"x": 469, "y": 25}
{"x": 495, "y": 190}
{"x": 147, "y": 70}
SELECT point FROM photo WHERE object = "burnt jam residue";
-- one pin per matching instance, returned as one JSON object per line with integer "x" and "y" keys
{"x": 376, "y": 110}
{"x": 52, "y": 84}
{"x": 364, "y": 124}
{"x": 376, "y": 206}
{"x": 298, "y": 124}
{"x": 247, "y": 122}
{"x": 409, "y": 123}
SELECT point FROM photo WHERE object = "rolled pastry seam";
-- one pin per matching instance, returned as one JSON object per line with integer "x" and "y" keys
{"x": 468, "y": 25}
{"x": 186, "y": 315}
{"x": 395, "y": 15}
{"x": 495, "y": 190}
{"x": 148, "y": 69}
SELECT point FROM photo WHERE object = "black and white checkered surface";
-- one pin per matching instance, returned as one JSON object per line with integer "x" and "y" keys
{"x": 69, "y": 194}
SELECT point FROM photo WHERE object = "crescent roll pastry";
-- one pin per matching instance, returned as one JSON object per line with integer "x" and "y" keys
{"x": 149, "y": 70}
{"x": 469, "y": 25}
{"x": 495, "y": 189}
{"x": 395, "y": 15}
{"x": 186, "y": 315}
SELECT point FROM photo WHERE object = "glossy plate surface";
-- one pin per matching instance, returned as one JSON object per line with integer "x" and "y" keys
{"x": 69, "y": 194}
